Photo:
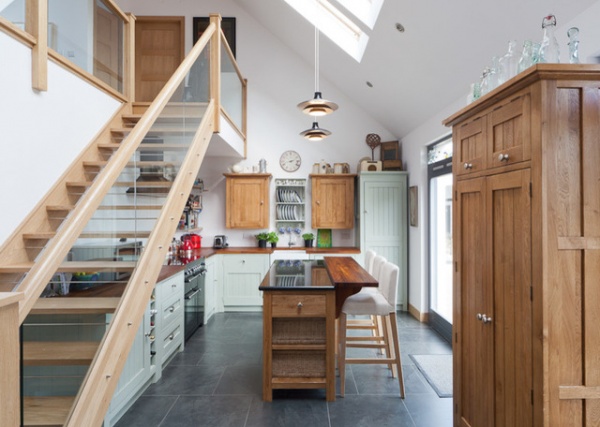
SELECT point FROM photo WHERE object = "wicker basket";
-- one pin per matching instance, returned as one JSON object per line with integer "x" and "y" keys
{"x": 299, "y": 363}
{"x": 293, "y": 331}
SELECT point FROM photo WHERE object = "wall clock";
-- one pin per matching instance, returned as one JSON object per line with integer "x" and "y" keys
{"x": 290, "y": 161}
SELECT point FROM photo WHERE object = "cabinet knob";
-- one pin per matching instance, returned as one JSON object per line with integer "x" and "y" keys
{"x": 503, "y": 158}
{"x": 171, "y": 337}
{"x": 479, "y": 316}
{"x": 468, "y": 165}
{"x": 171, "y": 309}
{"x": 318, "y": 202}
{"x": 486, "y": 319}
{"x": 300, "y": 304}
{"x": 262, "y": 202}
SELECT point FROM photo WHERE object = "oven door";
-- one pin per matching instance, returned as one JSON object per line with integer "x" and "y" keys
{"x": 194, "y": 305}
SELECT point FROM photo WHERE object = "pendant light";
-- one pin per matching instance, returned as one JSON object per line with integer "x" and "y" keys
{"x": 317, "y": 106}
{"x": 315, "y": 133}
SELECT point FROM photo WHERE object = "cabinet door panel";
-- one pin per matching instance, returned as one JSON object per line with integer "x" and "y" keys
{"x": 470, "y": 146}
{"x": 247, "y": 202}
{"x": 333, "y": 202}
{"x": 510, "y": 133}
{"x": 473, "y": 365}
{"x": 510, "y": 228}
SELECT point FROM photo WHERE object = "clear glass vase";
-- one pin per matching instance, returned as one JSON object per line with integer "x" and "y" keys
{"x": 549, "y": 50}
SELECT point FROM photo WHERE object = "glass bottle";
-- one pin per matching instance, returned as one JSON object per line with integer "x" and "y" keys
{"x": 509, "y": 62}
{"x": 526, "y": 59}
{"x": 549, "y": 50}
{"x": 573, "y": 34}
{"x": 484, "y": 84}
{"x": 494, "y": 75}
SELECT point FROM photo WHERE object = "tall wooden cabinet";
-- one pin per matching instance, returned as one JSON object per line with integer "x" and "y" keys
{"x": 332, "y": 201}
{"x": 247, "y": 200}
{"x": 526, "y": 236}
{"x": 383, "y": 214}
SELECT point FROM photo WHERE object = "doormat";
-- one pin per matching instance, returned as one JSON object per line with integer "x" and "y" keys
{"x": 437, "y": 370}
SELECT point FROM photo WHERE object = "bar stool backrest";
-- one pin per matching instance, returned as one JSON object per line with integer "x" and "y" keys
{"x": 369, "y": 258}
{"x": 377, "y": 264}
{"x": 388, "y": 282}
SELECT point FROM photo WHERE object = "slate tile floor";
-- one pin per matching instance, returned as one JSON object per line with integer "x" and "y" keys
{"x": 217, "y": 382}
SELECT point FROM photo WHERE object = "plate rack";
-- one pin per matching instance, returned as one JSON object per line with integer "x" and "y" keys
{"x": 290, "y": 198}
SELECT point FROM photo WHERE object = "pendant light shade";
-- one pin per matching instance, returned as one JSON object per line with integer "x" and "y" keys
{"x": 317, "y": 106}
{"x": 315, "y": 133}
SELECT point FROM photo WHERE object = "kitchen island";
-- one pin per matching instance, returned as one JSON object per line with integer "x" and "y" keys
{"x": 299, "y": 312}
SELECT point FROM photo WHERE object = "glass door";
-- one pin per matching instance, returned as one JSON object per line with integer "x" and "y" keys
{"x": 440, "y": 237}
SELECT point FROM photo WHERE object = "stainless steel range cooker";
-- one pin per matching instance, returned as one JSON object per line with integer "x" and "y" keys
{"x": 194, "y": 290}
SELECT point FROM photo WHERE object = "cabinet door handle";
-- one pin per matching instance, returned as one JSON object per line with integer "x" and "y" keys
{"x": 468, "y": 165}
{"x": 486, "y": 319}
{"x": 503, "y": 158}
{"x": 300, "y": 304}
{"x": 479, "y": 316}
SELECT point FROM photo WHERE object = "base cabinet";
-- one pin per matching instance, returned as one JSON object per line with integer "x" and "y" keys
{"x": 211, "y": 286}
{"x": 526, "y": 221}
{"x": 242, "y": 274}
{"x": 158, "y": 339}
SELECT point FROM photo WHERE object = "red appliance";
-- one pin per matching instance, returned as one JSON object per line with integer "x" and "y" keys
{"x": 194, "y": 239}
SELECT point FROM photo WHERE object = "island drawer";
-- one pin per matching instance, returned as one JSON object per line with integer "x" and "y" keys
{"x": 298, "y": 305}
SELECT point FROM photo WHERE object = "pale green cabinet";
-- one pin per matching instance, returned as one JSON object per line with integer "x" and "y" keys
{"x": 210, "y": 287}
{"x": 383, "y": 216}
{"x": 242, "y": 274}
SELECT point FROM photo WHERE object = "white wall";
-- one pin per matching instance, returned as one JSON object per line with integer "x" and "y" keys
{"x": 40, "y": 132}
{"x": 277, "y": 81}
{"x": 414, "y": 152}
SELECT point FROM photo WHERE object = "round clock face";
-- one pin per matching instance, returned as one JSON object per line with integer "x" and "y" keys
{"x": 290, "y": 161}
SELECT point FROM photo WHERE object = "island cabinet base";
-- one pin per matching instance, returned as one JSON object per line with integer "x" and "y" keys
{"x": 299, "y": 341}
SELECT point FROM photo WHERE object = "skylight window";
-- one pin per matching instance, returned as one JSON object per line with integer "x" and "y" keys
{"x": 365, "y": 10}
{"x": 334, "y": 24}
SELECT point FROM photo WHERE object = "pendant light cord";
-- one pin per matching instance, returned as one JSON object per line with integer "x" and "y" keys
{"x": 316, "y": 59}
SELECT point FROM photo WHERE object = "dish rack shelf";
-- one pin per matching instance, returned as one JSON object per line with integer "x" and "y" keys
{"x": 290, "y": 198}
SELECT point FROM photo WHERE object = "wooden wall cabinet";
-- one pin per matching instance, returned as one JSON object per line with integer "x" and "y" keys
{"x": 526, "y": 221}
{"x": 247, "y": 200}
{"x": 333, "y": 201}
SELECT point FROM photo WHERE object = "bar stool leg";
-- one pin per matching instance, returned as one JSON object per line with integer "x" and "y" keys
{"x": 394, "y": 332}
{"x": 342, "y": 352}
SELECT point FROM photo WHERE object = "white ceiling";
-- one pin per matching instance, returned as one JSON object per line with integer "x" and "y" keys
{"x": 417, "y": 73}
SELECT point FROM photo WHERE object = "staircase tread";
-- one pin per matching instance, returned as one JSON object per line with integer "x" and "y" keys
{"x": 60, "y": 207}
{"x": 75, "y": 305}
{"x": 150, "y": 147}
{"x": 93, "y": 235}
{"x": 46, "y": 410}
{"x": 101, "y": 163}
{"x": 123, "y": 184}
{"x": 58, "y": 353}
{"x": 74, "y": 266}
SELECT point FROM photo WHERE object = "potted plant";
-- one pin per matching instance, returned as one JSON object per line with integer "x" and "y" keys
{"x": 262, "y": 238}
{"x": 308, "y": 239}
{"x": 273, "y": 238}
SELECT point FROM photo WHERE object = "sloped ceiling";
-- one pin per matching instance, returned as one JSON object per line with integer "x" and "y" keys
{"x": 417, "y": 73}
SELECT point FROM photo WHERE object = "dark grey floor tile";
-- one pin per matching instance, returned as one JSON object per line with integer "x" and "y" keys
{"x": 369, "y": 411}
{"x": 375, "y": 379}
{"x": 241, "y": 379}
{"x": 295, "y": 410}
{"x": 186, "y": 380}
{"x": 208, "y": 411}
{"x": 147, "y": 411}
{"x": 429, "y": 410}
{"x": 414, "y": 382}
